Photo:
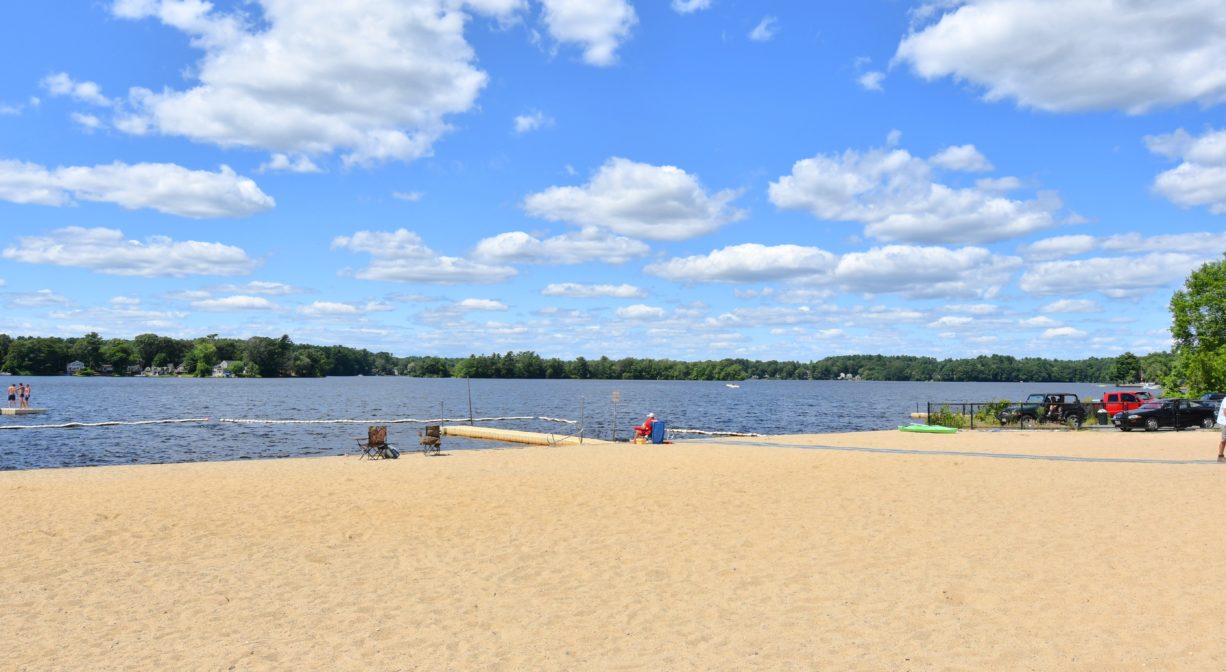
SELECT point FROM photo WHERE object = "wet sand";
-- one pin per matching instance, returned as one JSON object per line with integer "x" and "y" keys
{"x": 693, "y": 556}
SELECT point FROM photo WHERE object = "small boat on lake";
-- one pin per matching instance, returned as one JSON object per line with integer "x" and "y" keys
{"x": 731, "y": 385}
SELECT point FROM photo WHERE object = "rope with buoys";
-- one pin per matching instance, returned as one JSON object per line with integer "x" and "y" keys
{"x": 396, "y": 421}
{"x": 706, "y": 433}
{"x": 107, "y": 423}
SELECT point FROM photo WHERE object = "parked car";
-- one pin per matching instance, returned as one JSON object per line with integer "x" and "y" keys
{"x": 1124, "y": 400}
{"x": 1049, "y": 407}
{"x": 1213, "y": 399}
{"x": 1176, "y": 413}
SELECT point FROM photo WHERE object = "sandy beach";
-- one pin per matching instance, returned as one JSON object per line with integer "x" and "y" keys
{"x": 980, "y": 550}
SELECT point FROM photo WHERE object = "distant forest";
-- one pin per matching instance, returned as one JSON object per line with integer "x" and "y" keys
{"x": 266, "y": 357}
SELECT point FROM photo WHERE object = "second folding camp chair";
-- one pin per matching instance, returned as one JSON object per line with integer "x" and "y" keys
{"x": 375, "y": 445}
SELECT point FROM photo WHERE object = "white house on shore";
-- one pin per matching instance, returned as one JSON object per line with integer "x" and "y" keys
{"x": 75, "y": 366}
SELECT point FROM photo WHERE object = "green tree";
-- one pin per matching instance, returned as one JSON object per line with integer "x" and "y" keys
{"x": 1198, "y": 326}
{"x": 1127, "y": 368}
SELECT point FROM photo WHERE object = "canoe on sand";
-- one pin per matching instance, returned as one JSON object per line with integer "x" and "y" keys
{"x": 931, "y": 429}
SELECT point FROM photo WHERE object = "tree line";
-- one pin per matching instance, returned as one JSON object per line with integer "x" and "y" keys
{"x": 267, "y": 357}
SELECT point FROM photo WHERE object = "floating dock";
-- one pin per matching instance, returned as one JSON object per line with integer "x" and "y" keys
{"x": 514, "y": 436}
{"x": 22, "y": 411}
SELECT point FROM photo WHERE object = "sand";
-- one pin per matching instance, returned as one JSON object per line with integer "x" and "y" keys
{"x": 619, "y": 557}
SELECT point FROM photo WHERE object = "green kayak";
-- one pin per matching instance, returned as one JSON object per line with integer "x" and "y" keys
{"x": 931, "y": 429}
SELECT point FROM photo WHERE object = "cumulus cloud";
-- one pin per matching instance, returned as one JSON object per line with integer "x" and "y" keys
{"x": 1063, "y": 332}
{"x": 639, "y": 200}
{"x": 749, "y": 262}
{"x": 925, "y": 272}
{"x": 525, "y": 123}
{"x": 107, "y": 251}
{"x": 896, "y": 197}
{"x": 60, "y": 84}
{"x": 1200, "y": 178}
{"x": 262, "y": 287}
{"x": 689, "y": 6}
{"x": 579, "y": 247}
{"x": 339, "y": 309}
{"x": 640, "y": 312}
{"x": 394, "y": 72}
{"x": 409, "y": 196}
{"x": 950, "y": 322}
{"x": 283, "y": 163}
{"x": 581, "y": 291}
{"x": 1068, "y": 56}
{"x": 973, "y": 308}
{"x": 401, "y": 256}
{"x": 871, "y": 80}
{"x": 964, "y": 158}
{"x": 1072, "y": 306}
{"x": 597, "y": 26}
{"x": 765, "y": 30}
{"x": 480, "y": 304}
{"x": 164, "y": 187}
{"x": 87, "y": 122}
{"x": 1115, "y": 277}
{"x": 234, "y": 303}
{"x": 1071, "y": 246}
{"x": 38, "y": 299}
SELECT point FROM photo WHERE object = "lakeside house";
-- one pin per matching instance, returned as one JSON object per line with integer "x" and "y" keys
{"x": 222, "y": 370}
{"x": 75, "y": 367}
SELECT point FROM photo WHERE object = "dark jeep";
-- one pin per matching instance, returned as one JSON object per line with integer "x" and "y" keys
{"x": 1061, "y": 407}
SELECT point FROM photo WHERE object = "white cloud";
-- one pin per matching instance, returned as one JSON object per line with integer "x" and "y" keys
{"x": 394, "y": 71}
{"x": 580, "y": 247}
{"x": 963, "y": 158}
{"x": 640, "y": 312}
{"x": 1063, "y": 332}
{"x": 401, "y": 256}
{"x": 950, "y": 321}
{"x": 233, "y": 303}
{"x": 689, "y": 6}
{"x": 1115, "y": 277}
{"x": 88, "y": 122}
{"x": 337, "y": 309}
{"x": 262, "y": 287}
{"x": 106, "y": 251}
{"x": 38, "y": 299}
{"x": 410, "y": 196}
{"x": 639, "y": 200}
{"x": 871, "y": 80}
{"x": 124, "y": 301}
{"x": 598, "y": 26}
{"x": 1072, "y": 306}
{"x": 525, "y": 123}
{"x": 973, "y": 308}
{"x": 1201, "y": 178}
{"x": 925, "y": 272}
{"x": 1038, "y": 321}
{"x": 1067, "y": 56}
{"x": 1059, "y": 246}
{"x": 749, "y": 262}
{"x": 580, "y": 291}
{"x": 60, "y": 84}
{"x": 164, "y": 187}
{"x": 766, "y": 29}
{"x": 283, "y": 163}
{"x": 895, "y": 196}
{"x": 480, "y": 304}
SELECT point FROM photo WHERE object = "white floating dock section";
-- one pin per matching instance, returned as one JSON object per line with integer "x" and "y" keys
{"x": 22, "y": 411}
{"x": 514, "y": 436}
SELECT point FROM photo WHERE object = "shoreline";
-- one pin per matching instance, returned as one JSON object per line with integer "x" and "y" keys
{"x": 755, "y": 553}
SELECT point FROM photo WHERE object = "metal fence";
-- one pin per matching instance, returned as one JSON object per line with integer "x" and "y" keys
{"x": 979, "y": 414}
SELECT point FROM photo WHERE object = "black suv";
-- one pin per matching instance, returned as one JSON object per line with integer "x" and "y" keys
{"x": 1061, "y": 407}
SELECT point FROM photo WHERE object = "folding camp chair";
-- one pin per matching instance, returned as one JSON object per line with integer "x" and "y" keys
{"x": 431, "y": 439}
{"x": 375, "y": 445}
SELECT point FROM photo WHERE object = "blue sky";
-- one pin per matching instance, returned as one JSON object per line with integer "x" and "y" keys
{"x": 691, "y": 179}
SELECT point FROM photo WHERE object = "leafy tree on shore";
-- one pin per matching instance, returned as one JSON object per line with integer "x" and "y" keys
{"x": 1198, "y": 326}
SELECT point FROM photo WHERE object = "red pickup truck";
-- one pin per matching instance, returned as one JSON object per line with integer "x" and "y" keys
{"x": 1124, "y": 400}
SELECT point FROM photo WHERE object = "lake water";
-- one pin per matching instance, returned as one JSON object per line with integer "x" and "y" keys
{"x": 767, "y": 407}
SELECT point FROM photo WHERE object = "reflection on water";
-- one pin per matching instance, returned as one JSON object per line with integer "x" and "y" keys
{"x": 767, "y": 407}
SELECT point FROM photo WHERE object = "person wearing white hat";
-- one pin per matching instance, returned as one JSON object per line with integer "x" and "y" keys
{"x": 644, "y": 430}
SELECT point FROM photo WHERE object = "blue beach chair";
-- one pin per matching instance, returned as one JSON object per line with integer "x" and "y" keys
{"x": 657, "y": 431}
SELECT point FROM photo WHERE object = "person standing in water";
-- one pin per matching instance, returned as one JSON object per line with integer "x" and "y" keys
{"x": 25, "y": 396}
